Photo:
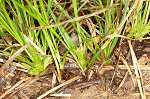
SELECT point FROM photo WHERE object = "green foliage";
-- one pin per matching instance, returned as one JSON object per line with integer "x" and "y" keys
{"x": 13, "y": 25}
{"x": 39, "y": 66}
{"x": 139, "y": 31}
{"x": 17, "y": 16}
{"x": 81, "y": 56}
{"x": 141, "y": 24}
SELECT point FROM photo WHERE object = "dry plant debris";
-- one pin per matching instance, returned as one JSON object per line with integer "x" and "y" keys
{"x": 79, "y": 68}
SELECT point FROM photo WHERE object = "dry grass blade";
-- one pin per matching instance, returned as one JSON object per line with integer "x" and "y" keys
{"x": 135, "y": 5}
{"x": 93, "y": 30}
{"x": 13, "y": 87}
{"x": 12, "y": 58}
{"x": 125, "y": 63}
{"x": 21, "y": 67}
{"x": 71, "y": 20}
{"x": 35, "y": 46}
{"x": 122, "y": 82}
{"x": 59, "y": 86}
{"x": 123, "y": 67}
{"x": 50, "y": 69}
{"x": 10, "y": 46}
{"x": 138, "y": 94}
{"x": 22, "y": 95}
{"x": 121, "y": 36}
{"x": 61, "y": 95}
{"x": 32, "y": 80}
{"x": 137, "y": 72}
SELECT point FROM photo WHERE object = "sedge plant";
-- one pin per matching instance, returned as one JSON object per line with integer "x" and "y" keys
{"x": 28, "y": 19}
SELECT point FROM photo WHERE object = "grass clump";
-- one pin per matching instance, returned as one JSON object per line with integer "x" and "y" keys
{"x": 48, "y": 24}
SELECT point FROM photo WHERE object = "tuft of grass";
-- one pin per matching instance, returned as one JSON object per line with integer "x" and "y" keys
{"x": 141, "y": 24}
{"x": 48, "y": 24}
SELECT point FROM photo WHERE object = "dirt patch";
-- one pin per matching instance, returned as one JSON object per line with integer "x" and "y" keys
{"x": 101, "y": 81}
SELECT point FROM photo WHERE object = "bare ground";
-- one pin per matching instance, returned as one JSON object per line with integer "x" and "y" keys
{"x": 100, "y": 82}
